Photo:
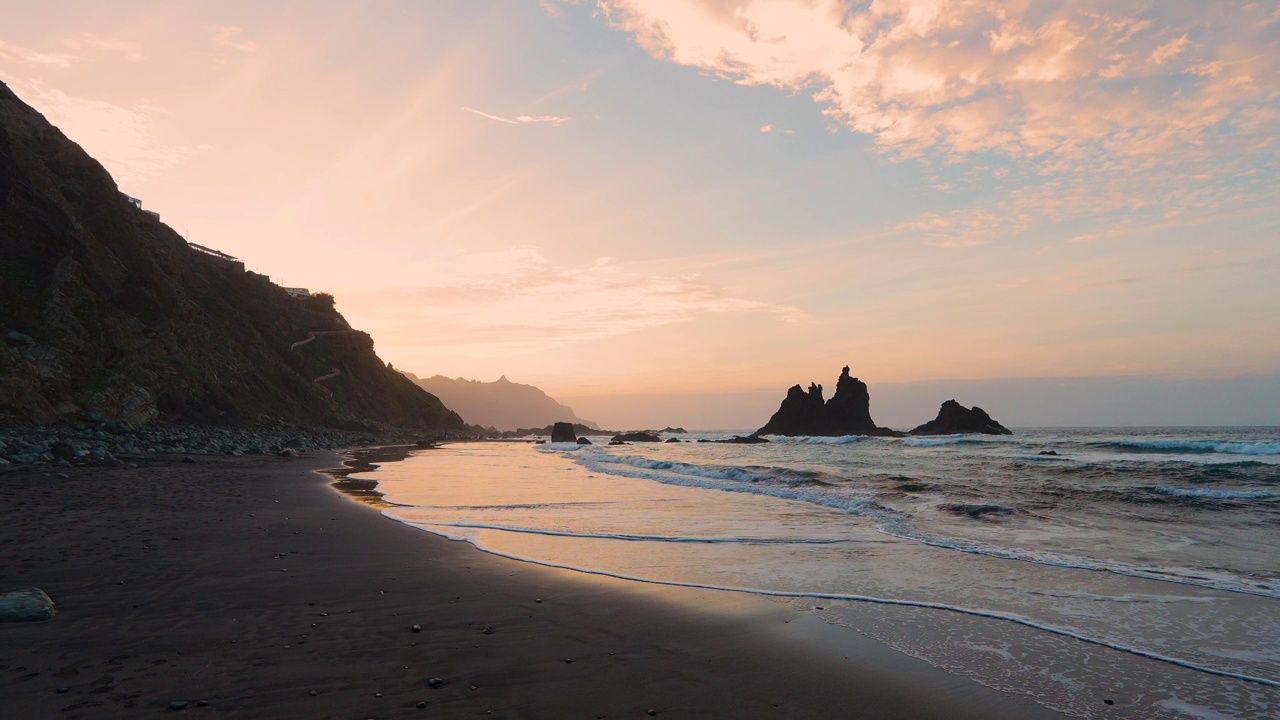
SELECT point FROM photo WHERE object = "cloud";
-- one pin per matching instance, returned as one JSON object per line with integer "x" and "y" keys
{"x": 88, "y": 41}
{"x": 767, "y": 129}
{"x": 123, "y": 138}
{"x": 1062, "y": 95}
{"x": 517, "y": 299}
{"x": 27, "y": 56}
{"x": 229, "y": 36}
{"x": 520, "y": 119}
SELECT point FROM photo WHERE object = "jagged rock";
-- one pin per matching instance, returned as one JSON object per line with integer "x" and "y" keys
{"x": 637, "y": 437}
{"x": 848, "y": 412}
{"x": 583, "y": 441}
{"x": 673, "y": 440}
{"x": 30, "y": 605}
{"x": 956, "y": 419}
{"x": 675, "y": 430}
{"x": 563, "y": 432}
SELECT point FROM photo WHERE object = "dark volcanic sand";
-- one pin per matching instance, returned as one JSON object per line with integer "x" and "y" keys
{"x": 210, "y": 611}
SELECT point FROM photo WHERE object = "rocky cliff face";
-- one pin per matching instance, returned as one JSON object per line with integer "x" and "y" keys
{"x": 955, "y": 419}
{"x": 106, "y": 312}
{"x": 848, "y": 412}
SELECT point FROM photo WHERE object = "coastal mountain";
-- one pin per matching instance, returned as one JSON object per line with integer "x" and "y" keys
{"x": 955, "y": 419}
{"x": 107, "y": 314}
{"x": 848, "y": 412}
{"x": 501, "y": 404}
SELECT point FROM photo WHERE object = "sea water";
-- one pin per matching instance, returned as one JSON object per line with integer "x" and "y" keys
{"x": 1132, "y": 573}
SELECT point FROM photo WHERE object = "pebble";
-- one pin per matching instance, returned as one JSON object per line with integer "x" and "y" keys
{"x": 178, "y": 705}
{"x": 652, "y": 712}
{"x": 62, "y": 690}
{"x": 313, "y": 693}
{"x": 377, "y": 695}
{"x": 1109, "y": 701}
{"x": 421, "y": 706}
{"x": 487, "y": 630}
{"x": 435, "y": 682}
{"x": 417, "y": 628}
{"x": 202, "y": 703}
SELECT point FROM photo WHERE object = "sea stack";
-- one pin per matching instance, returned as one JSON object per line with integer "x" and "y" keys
{"x": 563, "y": 432}
{"x": 956, "y": 419}
{"x": 848, "y": 412}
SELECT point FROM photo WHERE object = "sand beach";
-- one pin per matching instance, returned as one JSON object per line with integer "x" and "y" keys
{"x": 248, "y": 587}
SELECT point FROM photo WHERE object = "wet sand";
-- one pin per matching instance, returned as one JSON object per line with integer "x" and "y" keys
{"x": 250, "y": 584}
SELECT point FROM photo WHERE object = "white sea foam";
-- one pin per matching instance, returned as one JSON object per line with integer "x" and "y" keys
{"x": 940, "y": 440}
{"x": 977, "y": 612}
{"x": 891, "y": 522}
{"x": 1215, "y": 446}
{"x": 815, "y": 439}
{"x": 638, "y": 538}
{"x": 1218, "y": 494}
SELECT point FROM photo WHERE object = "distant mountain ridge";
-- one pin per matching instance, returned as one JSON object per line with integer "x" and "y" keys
{"x": 108, "y": 314}
{"x": 500, "y": 404}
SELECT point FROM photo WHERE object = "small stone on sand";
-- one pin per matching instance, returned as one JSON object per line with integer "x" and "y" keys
{"x": 435, "y": 682}
{"x": 178, "y": 705}
{"x": 421, "y": 706}
{"x": 417, "y": 628}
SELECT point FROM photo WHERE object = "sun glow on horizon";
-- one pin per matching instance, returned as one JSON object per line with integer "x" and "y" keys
{"x": 656, "y": 196}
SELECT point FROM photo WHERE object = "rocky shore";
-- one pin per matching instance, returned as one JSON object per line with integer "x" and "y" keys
{"x": 112, "y": 443}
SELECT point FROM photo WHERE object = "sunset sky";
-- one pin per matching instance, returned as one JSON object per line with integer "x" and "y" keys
{"x": 638, "y": 197}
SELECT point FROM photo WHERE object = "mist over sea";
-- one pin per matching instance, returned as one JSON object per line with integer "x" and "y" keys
{"x": 1131, "y": 573}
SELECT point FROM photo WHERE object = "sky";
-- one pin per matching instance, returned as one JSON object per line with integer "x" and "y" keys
{"x": 656, "y": 204}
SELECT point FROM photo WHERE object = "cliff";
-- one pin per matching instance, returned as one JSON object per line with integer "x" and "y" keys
{"x": 106, "y": 313}
{"x": 848, "y": 412}
{"x": 955, "y": 419}
{"x": 501, "y": 404}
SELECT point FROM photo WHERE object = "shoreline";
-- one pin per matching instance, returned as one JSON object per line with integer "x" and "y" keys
{"x": 252, "y": 582}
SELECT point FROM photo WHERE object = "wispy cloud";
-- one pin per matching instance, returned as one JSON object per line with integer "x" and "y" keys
{"x": 520, "y": 119}
{"x": 232, "y": 37}
{"x": 123, "y": 138}
{"x": 518, "y": 299}
{"x": 88, "y": 41}
{"x": 770, "y": 129}
{"x": 27, "y": 56}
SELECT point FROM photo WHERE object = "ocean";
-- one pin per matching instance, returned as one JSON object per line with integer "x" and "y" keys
{"x": 1129, "y": 573}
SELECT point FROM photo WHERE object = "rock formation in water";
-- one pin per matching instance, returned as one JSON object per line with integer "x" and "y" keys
{"x": 848, "y": 412}
{"x": 107, "y": 314}
{"x": 563, "y": 432}
{"x": 956, "y": 419}
{"x": 640, "y": 436}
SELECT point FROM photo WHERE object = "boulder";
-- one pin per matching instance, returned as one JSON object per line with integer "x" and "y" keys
{"x": 637, "y": 437}
{"x": 29, "y": 605}
{"x": 583, "y": 441}
{"x": 848, "y": 412}
{"x": 743, "y": 440}
{"x": 956, "y": 419}
{"x": 563, "y": 432}
{"x": 673, "y": 440}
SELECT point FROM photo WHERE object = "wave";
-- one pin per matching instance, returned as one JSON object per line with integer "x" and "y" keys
{"x": 637, "y": 538}
{"x": 977, "y": 612}
{"x": 1203, "y": 446}
{"x": 1216, "y": 494}
{"x": 944, "y": 440}
{"x": 814, "y": 439}
{"x": 786, "y": 484}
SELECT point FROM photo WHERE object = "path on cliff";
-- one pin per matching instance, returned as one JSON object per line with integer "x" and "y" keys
{"x": 311, "y": 336}
{"x": 336, "y": 372}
